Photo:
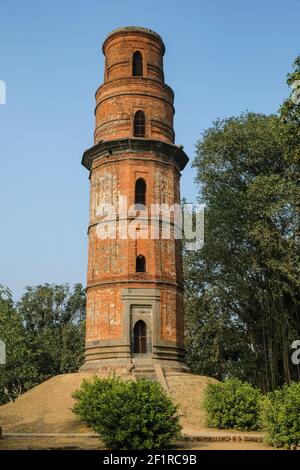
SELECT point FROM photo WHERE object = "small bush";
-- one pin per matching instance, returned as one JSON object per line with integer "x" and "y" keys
{"x": 280, "y": 416}
{"x": 232, "y": 404}
{"x": 128, "y": 414}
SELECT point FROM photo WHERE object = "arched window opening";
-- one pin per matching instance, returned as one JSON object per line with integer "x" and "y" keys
{"x": 140, "y": 337}
{"x": 140, "y": 192}
{"x": 139, "y": 124}
{"x": 137, "y": 64}
{"x": 140, "y": 264}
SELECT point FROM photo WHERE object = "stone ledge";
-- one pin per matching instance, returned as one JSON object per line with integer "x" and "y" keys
{"x": 114, "y": 147}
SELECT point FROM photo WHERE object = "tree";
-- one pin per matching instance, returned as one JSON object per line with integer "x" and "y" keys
{"x": 290, "y": 119}
{"x": 215, "y": 340}
{"x": 249, "y": 265}
{"x": 44, "y": 335}
{"x": 19, "y": 373}
{"x": 53, "y": 316}
{"x": 128, "y": 414}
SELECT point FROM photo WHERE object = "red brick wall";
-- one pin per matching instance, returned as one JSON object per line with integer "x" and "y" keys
{"x": 122, "y": 95}
{"x": 112, "y": 263}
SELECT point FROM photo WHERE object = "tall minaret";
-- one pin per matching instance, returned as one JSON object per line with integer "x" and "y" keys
{"x": 134, "y": 283}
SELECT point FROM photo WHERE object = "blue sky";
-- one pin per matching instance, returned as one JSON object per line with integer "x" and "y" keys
{"x": 223, "y": 57}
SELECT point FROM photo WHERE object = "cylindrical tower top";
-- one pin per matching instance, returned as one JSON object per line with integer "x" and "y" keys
{"x": 133, "y": 50}
{"x": 131, "y": 30}
{"x": 134, "y": 101}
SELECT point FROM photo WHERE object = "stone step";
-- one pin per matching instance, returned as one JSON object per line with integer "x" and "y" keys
{"x": 141, "y": 370}
{"x": 142, "y": 375}
{"x": 144, "y": 370}
{"x": 145, "y": 367}
{"x": 143, "y": 364}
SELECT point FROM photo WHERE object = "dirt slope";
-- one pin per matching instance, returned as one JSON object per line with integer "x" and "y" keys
{"x": 47, "y": 407}
{"x": 44, "y": 408}
{"x": 188, "y": 391}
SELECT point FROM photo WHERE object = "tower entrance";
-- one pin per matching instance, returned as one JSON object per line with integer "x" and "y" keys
{"x": 140, "y": 337}
{"x": 141, "y": 330}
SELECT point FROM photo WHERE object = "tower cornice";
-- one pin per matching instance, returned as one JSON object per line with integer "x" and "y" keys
{"x": 110, "y": 147}
{"x": 127, "y": 30}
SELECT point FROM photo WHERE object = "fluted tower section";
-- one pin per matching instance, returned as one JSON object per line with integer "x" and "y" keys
{"x": 134, "y": 283}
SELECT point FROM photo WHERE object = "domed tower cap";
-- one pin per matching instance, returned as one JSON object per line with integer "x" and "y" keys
{"x": 131, "y": 30}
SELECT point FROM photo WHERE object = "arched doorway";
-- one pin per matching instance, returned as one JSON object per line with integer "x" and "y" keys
{"x": 140, "y": 337}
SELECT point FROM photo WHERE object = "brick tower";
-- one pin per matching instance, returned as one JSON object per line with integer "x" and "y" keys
{"x": 134, "y": 285}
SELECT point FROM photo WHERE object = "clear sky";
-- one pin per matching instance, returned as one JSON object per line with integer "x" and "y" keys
{"x": 223, "y": 57}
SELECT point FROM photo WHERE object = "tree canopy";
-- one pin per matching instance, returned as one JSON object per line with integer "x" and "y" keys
{"x": 44, "y": 336}
{"x": 243, "y": 287}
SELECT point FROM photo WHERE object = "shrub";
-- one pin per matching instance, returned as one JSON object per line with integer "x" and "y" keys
{"x": 232, "y": 404}
{"x": 128, "y": 414}
{"x": 280, "y": 416}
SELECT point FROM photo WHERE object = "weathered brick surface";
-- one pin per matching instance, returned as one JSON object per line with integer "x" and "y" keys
{"x": 122, "y": 95}
{"x": 112, "y": 262}
{"x": 104, "y": 310}
{"x": 118, "y": 101}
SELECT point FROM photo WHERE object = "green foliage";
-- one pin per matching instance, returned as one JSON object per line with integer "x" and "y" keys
{"x": 216, "y": 340}
{"x": 242, "y": 296}
{"x": 232, "y": 404}
{"x": 280, "y": 416}
{"x": 243, "y": 287}
{"x": 19, "y": 373}
{"x": 53, "y": 316}
{"x": 52, "y": 305}
{"x": 128, "y": 414}
{"x": 44, "y": 335}
{"x": 290, "y": 120}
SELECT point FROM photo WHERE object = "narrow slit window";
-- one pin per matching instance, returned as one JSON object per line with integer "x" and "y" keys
{"x": 137, "y": 64}
{"x": 141, "y": 264}
{"x": 139, "y": 124}
{"x": 140, "y": 192}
